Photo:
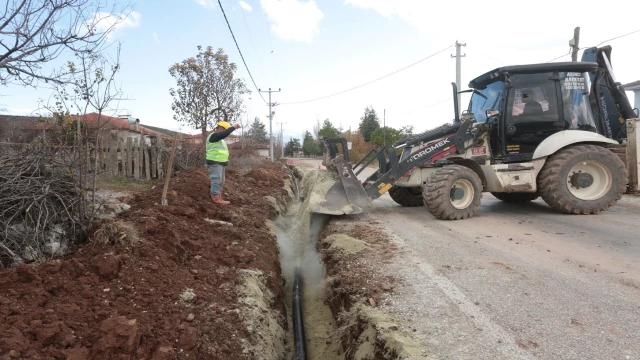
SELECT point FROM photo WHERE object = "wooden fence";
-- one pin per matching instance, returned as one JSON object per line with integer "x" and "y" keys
{"x": 137, "y": 157}
{"x": 121, "y": 154}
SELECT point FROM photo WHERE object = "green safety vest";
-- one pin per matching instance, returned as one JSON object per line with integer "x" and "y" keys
{"x": 217, "y": 151}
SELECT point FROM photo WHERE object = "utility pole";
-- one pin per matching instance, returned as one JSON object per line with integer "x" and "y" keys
{"x": 384, "y": 127}
{"x": 574, "y": 43}
{"x": 459, "y": 69}
{"x": 281, "y": 140}
{"x": 270, "y": 122}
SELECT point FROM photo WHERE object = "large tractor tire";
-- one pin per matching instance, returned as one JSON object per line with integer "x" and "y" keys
{"x": 406, "y": 196}
{"x": 515, "y": 197}
{"x": 582, "y": 179}
{"x": 453, "y": 193}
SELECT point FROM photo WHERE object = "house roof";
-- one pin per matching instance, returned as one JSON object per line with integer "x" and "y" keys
{"x": 94, "y": 120}
{"x": 238, "y": 145}
{"x": 632, "y": 86}
{"x": 23, "y": 120}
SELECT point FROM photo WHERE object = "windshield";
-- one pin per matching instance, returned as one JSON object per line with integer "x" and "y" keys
{"x": 485, "y": 99}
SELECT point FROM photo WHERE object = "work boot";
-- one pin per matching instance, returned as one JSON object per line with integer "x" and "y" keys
{"x": 218, "y": 199}
{"x": 223, "y": 201}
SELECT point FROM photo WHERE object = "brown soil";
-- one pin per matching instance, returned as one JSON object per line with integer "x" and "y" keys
{"x": 124, "y": 301}
{"x": 353, "y": 279}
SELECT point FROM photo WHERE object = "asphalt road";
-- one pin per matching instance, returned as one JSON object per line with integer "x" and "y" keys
{"x": 517, "y": 281}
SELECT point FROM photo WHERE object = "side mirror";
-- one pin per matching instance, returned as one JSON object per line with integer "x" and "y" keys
{"x": 492, "y": 113}
{"x": 637, "y": 112}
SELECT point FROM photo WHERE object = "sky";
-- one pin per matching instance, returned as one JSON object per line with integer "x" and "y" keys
{"x": 312, "y": 49}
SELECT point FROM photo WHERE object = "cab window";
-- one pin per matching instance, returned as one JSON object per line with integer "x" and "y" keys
{"x": 486, "y": 99}
{"x": 575, "y": 101}
{"x": 532, "y": 99}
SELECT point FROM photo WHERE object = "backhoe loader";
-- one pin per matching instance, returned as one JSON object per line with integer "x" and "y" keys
{"x": 553, "y": 130}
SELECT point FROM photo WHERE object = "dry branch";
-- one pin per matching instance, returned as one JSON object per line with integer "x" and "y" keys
{"x": 41, "y": 208}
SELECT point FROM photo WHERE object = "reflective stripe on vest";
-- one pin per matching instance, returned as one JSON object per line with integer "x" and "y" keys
{"x": 217, "y": 151}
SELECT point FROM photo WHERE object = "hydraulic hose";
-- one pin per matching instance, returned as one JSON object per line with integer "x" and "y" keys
{"x": 298, "y": 325}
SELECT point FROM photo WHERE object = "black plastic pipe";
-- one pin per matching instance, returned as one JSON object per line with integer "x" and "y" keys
{"x": 298, "y": 325}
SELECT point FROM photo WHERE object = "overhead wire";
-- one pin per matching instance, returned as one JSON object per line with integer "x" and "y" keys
{"x": 266, "y": 21}
{"x": 271, "y": 57}
{"x": 561, "y": 56}
{"x": 425, "y": 107}
{"x": 240, "y": 51}
{"x": 370, "y": 82}
{"x": 617, "y": 37}
{"x": 587, "y": 47}
{"x": 252, "y": 43}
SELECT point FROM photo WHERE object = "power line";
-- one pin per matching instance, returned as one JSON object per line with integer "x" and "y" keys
{"x": 617, "y": 37}
{"x": 561, "y": 56}
{"x": 268, "y": 29}
{"x": 587, "y": 47}
{"x": 234, "y": 40}
{"x": 372, "y": 81}
{"x": 252, "y": 43}
{"x": 425, "y": 107}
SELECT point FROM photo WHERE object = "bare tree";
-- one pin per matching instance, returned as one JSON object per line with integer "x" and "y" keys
{"x": 91, "y": 86}
{"x": 35, "y": 32}
{"x": 205, "y": 84}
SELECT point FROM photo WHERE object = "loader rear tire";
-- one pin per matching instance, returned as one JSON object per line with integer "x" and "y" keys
{"x": 407, "y": 196}
{"x": 453, "y": 192}
{"x": 515, "y": 197}
{"x": 582, "y": 179}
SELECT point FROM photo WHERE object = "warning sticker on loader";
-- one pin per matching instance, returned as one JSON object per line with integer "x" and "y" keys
{"x": 481, "y": 150}
{"x": 574, "y": 81}
{"x": 513, "y": 148}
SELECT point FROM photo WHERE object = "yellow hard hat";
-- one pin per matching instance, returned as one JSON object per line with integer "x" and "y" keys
{"x": 224, "y": 124}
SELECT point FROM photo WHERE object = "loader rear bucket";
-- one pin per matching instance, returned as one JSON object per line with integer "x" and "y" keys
{"x": 346, "y": 196}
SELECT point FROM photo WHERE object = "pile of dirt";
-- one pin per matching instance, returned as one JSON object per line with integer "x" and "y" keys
{"x": 167, "y": 290}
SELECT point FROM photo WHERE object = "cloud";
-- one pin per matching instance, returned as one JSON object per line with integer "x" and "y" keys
{"x": 293, "y": 20}
{"x": 245, "y": 6}
{"x": 104, "y": 21}
{"x": 155, "y": 37}
{"x": 206, "y": 3}
{"x": 476, "y": 20}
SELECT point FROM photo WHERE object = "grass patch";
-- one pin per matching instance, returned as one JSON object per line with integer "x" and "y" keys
{"x": 116, "y": 232}
{"x": 122, "y": 185}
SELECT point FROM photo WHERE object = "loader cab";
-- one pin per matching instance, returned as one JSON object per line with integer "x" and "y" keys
{"x": 526, "y": 104}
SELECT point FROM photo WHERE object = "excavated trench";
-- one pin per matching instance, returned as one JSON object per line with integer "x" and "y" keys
{"x": 297, "y": 233}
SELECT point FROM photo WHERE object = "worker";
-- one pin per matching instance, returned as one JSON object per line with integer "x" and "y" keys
{"x": 532, "y": 106}
{"x": 218, "y": 159}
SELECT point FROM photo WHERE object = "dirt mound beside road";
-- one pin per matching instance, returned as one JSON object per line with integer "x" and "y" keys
{"x": 170, "y": 294}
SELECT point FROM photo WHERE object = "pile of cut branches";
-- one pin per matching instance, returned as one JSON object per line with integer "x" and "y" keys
{"x": 41, "y": 208}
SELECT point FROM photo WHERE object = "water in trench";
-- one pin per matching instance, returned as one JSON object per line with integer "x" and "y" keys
{"x": 298, "y": 232}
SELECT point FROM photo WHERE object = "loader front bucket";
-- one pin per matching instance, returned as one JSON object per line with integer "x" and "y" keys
{"x": 346, "y": 196}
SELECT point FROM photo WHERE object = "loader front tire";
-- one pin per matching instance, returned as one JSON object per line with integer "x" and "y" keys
{"x": 582, "y": 179}
{"x": 515, "y": 197}
{"x": 453, "y": 192}
{"x": 406, "y": 196}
